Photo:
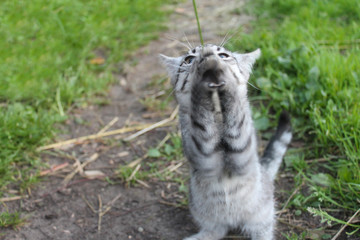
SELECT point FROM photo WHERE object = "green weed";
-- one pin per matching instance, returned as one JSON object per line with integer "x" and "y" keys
{"x": 8, "y": 219}
{"x": 160, "y": 164}
{"x": 131, "y": 175}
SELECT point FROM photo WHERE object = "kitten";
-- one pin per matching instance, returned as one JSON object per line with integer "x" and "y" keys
{"x": 230, "y": 186}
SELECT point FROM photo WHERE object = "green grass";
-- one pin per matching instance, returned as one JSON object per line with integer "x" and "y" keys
{"x": 167, "y": 152}
{"x": 159, "y": 100}
{"x": 47, "y": 65}
{"x": 310, "y": 65}
{"x": 8, "y": 219}
{"x": 162, "y": 163}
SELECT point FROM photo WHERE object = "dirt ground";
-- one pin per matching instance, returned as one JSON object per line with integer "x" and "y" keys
{"x": 148, "y": 210}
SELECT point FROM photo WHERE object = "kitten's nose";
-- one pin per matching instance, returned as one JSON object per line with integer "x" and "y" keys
{"x": 206, "y": 52}
{"x": 207, "y": 60}
{"x": 210, "y": 68}
{"x": 210, "y": 62}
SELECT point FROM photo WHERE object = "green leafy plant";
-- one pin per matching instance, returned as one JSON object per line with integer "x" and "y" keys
{"x": 157, "y": 165}
{"x": 330, "y": 220}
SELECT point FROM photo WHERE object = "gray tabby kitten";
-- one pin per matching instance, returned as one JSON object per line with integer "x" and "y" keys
{"x": 230, "y": 186}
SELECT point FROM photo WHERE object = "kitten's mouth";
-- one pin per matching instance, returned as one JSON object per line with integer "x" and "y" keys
{"x": 211, "y": 76}
{"x": 212, "y": 73}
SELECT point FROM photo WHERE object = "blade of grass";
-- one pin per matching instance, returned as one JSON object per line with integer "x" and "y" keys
{"x": 198, "y": 23}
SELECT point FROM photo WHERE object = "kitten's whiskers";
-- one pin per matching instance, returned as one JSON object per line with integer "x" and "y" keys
{"x": 178, "y": 41}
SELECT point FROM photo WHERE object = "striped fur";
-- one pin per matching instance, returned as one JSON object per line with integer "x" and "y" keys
{"x": 230, "y": 186}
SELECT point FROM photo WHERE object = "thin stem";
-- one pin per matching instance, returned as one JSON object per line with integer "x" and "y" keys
{"x": 198, "y": 23}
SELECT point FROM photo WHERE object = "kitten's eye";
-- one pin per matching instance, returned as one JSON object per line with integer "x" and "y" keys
{"x": 189, "y": 59}
{"x": 223, "y": 55}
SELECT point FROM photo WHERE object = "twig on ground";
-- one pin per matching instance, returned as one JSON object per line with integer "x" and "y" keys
{"x": 133, "y": 173}
{"x": 93, "y": 174}
{"x": 142, "y": 183}
{"x": 54, "y": 169}
{"x": 172, "y": 204}
{"x": 153, "y": 126}
{"x": 143, "y": 129}
{"x": 9, "y": 199}
{"x": 109, "y": 125}
{"x": 344, "y": 226}
{"x": 102, "y": 209}
{"x": 139, "y": 160}
{"x": 169, "y": 169}
{"x": 167, "y": 137}
{"x": 111, "y": 203}
{"x": 174, "y": 168}
{"x": 79, "y": 168}
{"x": 89, "y": 204}
{"x": 100, "y": 213}
{"x": 168, "y": 203}
{"x": 292, "y": 225}
{"x": 281, "y": 211}
{"x": 94, "y": 136}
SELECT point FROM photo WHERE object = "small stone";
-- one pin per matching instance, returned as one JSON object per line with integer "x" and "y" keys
{"x": 140, "y": 229}
{"x": 123, "y": 82}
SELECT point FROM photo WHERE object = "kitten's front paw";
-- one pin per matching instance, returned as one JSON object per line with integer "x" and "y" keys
{"x": 212, "y": 80}
{"x": 191, "y": 238}
{"x": 216, "y": 85}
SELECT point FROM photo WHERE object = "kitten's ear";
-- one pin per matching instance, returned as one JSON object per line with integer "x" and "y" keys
{"x": 172, "y": 64}
{"x": 247, "y": 60}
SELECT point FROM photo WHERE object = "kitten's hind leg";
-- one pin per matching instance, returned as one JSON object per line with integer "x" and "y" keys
{"x": 215, "y": 233}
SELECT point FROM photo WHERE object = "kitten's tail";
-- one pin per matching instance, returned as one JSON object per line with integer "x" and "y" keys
{"x": 277, "y": 146}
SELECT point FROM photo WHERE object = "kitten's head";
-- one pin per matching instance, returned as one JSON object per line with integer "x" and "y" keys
{"x": 213, "y": 65}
